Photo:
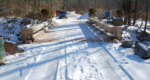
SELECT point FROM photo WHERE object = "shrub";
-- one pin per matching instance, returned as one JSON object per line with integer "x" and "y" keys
{"x": 30, "y": 14}
{"x": 35, "y": 15}
{"x": 39, "y": 16}
{"x": 1, "y": 13}
{"x": 46, "y": 11}
{"x": 51, "y": 14}
{"x": 92, "y": 12}
{"x": 25, "y": 22}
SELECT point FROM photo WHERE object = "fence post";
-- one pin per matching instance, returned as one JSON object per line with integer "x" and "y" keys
{"x": 119, "y": 33}
{"x": 2, "y": 51}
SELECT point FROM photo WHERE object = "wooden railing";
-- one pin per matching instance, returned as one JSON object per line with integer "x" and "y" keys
{"x": 108, "y": 27}
{"x": 34, "y": 31}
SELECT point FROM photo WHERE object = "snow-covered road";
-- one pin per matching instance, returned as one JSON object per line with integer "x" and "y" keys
{"x": 74, "y": 53}
{"x": 73, "y": 50}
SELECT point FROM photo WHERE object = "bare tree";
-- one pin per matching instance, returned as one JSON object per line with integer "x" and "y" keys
{"x": 146, "y": 16}
{"x": 135, "y": 11}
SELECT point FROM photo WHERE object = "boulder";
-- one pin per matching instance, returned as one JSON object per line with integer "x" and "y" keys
{"x": 142, "y": 50}
{"x": 12, "y": 48}
{"x": 116, "y": 40}
{"x": 127, "y": 44}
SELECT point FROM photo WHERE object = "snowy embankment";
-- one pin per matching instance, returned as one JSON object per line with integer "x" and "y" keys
{"x": 76, "y": 52}
{"x": 133, "y": 32}
{"x": 10, "y": 27}
{"x": 84, "y": 16}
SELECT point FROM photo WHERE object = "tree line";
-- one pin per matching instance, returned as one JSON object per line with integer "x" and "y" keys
{"x": 131, "y": 8}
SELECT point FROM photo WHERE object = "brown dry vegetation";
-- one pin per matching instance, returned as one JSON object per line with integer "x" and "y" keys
{"x": 34, "y": 6}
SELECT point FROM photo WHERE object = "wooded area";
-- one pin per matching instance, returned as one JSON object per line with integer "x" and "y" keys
{"x": 131, "y": 8}
{"x": 69, "y": 5}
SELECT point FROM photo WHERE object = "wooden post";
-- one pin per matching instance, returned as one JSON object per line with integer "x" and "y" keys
{"x": 2, "y": 51}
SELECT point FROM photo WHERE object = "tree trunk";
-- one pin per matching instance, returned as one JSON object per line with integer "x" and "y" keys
{"x": 125, "y": 12}
{"x": 146, "y": 16}
{"x": 141, "y": 22}
{"x": 135, "y": 11}
{"x": 129, "y": 12}
{"x": 35, "y": 5}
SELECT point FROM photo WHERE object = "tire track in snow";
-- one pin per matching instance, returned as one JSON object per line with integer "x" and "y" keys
{"x": 34, "y": 64}
{"x": 62, "y": 62}
{"x": 98, "y": 65}
{"x": 55, "y": 76}
{"x": 113, "y": 70}
{"x": 45, "y": 67}
{"x": 110, "y": 69}
{"x": 66, "y": 49}
{"x": 66, "y": 64}
{"x": 19, "y": 74}
{"x": 131, "y": 78}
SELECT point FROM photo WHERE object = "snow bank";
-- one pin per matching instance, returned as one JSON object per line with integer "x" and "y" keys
{"x": 74, "y": 13}
{"x": 133, "y": 33}
{"x": 10, "y": 27}
{"x": 130, "y": 33}
{"x": 84, "y": 16}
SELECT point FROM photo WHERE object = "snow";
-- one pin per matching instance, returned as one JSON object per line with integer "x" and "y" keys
{"x": 144, "y": 46}
{"x": 133, "y": 65}
{"x": 84, "y": 16}
{"x": 10, "y": 27}
{"x": 132, "y": 32}
{"x": 117, "y": 18}
{"x": 77, "y": 52}
{"x": 11, "y": 42}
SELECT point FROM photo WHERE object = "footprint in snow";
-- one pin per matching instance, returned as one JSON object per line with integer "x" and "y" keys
{"x": 88, "y": 61}
{"x": 92, "y": 66}
{"x": 81, "y": 68}
{"x": 34, "y": 59}
{"x": 19, "y": 73}
{"x": 26, "y": 64}
{"x": 75, "y": 66}
{"x": 82, "y": 59}
{"x": 96, "y": 70}
{"x": 78, "y": 71}
{"x": 122, "y": 62}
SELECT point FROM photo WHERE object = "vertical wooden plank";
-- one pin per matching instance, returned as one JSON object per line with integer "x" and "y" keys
{"x": 2, "y": 51}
